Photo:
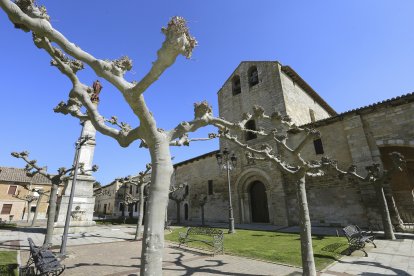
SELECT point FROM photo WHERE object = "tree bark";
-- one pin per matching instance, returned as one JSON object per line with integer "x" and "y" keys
{"x": 178, "y": 211}
{"x": 202, "y": 215}
{"x": 385, "y": 214}
{"x": 52, "y": 214}
{"x": 39, "y": 199}
{"x": 140, "y": 212}
{"x": 308, "y": 262}
{"x": 131, "y": 210}
{"x": 153, "y": 241}
{"x": 28, "y": 210}
{"x": 398, "y": 220}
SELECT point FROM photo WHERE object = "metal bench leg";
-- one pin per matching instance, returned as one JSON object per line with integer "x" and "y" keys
{"x": 363, "y": 250}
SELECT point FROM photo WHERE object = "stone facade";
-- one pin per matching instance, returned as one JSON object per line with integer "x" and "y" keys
{"x": 361, "y": 137}
{"x": 109, "y": 200}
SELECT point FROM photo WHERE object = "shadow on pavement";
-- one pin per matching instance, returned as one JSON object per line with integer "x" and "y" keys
{"x": 179, "y": 265}
{"x": 397, "y": 271}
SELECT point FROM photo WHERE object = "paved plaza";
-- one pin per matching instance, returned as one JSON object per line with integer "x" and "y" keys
{"x": 111, "y": 250}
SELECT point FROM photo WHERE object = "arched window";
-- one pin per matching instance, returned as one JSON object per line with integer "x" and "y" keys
{"x": 186, "y": 190}
{"x": 252, "y": 126}
{"x": 253, "y": 76}
{"x": 236, "y": 85}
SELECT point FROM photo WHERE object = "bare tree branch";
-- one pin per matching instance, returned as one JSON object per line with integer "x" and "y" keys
{"x": 178, "y": 41}
{"x": 185, "y": 140}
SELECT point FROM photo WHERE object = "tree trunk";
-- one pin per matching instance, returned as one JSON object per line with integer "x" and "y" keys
{"x": 385, "y": 214}
{"x": 178, "y": 211}
{"x": 28, "y": 210}
{"x": 395, "y": 214}
{"x": 131, "y": 210}
{"x": 140, "y": 212}
{"x": 39, "y": 199}
{"x": 52, "y": 214}
{"x": 202, "y": 215}
{"x": 308, "y": 262}
{"x": 153, "y": 241}
{"x": 166, "y": 216}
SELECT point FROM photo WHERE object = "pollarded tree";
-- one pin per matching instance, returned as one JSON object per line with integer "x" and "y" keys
{"x": 26, "y": 15}
{"x": 29, "y": 198}
{"x": 57, "y": 179}
{"x": 377, "y": 178}
{"x": 202, "y": 201}
{"x": 178, "y": 195}
{"x": 141, "y": 182}
{"x": 289, "y": 160}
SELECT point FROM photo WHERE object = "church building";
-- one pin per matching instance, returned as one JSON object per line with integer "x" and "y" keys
{"x": 261, "y": 193}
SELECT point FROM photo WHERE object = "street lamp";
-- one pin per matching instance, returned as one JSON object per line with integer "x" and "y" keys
{"x": 81, "y": 141}
{"x": 228, "y": 162}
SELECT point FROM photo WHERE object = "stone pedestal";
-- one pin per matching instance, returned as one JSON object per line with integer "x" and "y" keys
{"x": 83, "y": 201}
{"x": 82, "y": 208}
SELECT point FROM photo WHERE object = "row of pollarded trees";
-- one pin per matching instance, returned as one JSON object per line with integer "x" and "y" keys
{"x": 32, "y": 168}
{"x": 69, "y": 58}
{"x": 287, "y": 157}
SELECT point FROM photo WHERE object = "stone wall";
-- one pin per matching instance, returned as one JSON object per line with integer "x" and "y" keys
{"x": 267, "y": 93}
{"x": 354, "y": 137}
{"x": 197, "y": 174}
{"x": 19, "y": 207}
{"x": 298, "y": 103}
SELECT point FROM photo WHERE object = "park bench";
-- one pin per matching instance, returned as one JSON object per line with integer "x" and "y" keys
{"x": 357, "y": 239}
{"x": 44, "y": 260}
{"x": 210, "y": 236}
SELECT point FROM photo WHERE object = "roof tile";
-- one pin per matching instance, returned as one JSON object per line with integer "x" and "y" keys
{"x": 19, "y": 175}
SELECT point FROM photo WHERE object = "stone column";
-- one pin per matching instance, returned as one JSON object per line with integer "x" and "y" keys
{"x": 247, "y": 210}
{"x": 83, "y": 201}
{"x": 270, "y": 207}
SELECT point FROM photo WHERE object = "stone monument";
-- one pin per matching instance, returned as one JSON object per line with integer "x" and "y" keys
{"x": 83, "y": 201}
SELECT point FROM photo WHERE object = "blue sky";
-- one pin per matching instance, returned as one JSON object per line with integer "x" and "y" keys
{"x": 353, "y": 53}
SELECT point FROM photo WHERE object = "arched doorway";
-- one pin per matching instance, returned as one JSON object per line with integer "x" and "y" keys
{"x": 258, "y": 201}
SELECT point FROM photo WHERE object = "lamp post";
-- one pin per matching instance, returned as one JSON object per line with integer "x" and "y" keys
{"x": 81, "y": 141}
{"x": 228, "y": 162}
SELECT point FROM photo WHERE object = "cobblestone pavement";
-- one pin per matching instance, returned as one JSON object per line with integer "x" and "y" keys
{"x": 110, "y": 250}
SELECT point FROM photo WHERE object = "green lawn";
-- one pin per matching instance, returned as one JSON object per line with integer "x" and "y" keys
{"x": 8, "y": 263}
{"x": 275, "y": 246}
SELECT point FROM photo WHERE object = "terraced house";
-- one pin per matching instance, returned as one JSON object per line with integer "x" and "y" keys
{"x": 14, "y": 203}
